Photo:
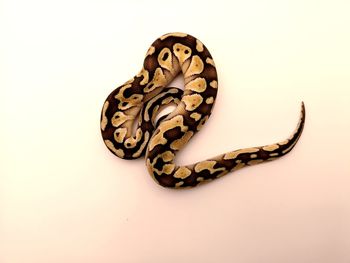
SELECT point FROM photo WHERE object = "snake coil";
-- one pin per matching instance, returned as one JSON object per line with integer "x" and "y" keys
{"x": 147, "y": 93}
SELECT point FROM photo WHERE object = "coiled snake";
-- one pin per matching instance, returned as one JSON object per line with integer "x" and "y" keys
{"x": 147, "y": 93}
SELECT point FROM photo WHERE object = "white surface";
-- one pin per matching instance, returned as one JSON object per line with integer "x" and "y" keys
{"x": 65, "y": 198}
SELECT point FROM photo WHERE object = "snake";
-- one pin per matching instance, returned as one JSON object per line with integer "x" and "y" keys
{"x": 130, "y": 128}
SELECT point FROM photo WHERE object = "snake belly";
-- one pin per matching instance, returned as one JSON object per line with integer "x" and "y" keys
{"x": 139, "y": 100}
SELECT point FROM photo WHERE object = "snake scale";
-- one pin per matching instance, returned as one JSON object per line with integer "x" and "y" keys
{"x": 139, "y": 100}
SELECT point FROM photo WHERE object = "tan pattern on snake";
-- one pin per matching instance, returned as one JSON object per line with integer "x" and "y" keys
{"x": 147, "y": 93}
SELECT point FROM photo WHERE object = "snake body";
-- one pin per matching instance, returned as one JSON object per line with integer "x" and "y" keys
{"x": 140, "y": 99}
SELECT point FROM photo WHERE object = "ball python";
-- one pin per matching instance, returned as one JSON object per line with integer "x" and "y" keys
{"x": 137, "y": 102}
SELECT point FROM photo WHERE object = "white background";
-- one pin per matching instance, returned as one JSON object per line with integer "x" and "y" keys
{"x": 65, "y": 198}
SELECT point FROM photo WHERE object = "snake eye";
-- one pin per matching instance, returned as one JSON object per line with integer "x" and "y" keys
{"x": 177, "y": 49}
{"x": 186, "y": 51}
